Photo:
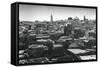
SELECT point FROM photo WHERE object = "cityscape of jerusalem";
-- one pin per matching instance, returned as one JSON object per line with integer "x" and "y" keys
{"x": 68, "y": 40}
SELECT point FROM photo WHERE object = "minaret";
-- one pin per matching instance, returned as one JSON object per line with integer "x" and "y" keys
{"x": 84, "y": 18}
{"x": 51, "y": 19}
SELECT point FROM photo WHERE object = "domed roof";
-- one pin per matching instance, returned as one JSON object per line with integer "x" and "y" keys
{"x": 76, "y": 18}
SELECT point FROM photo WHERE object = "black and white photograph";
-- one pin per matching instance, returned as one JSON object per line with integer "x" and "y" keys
{"x": 56, "y": 34}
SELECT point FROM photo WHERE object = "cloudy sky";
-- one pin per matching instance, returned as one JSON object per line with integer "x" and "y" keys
{"x": 41, "y": 13}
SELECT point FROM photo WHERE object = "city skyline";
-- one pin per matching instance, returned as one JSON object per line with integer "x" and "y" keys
{"x": 43, "y": 13}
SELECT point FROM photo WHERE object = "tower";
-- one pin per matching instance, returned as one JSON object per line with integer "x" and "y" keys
{"x": 51, "y": 19}
{"x": 84, "y": 18}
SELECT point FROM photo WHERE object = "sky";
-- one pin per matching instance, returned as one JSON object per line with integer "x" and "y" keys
{"x": 41, "y": 13}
